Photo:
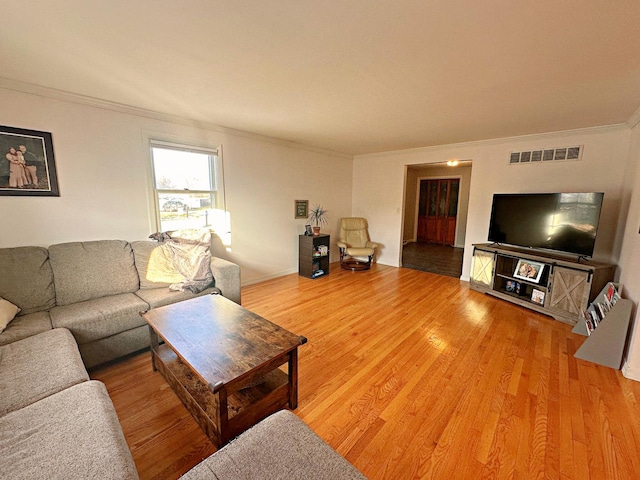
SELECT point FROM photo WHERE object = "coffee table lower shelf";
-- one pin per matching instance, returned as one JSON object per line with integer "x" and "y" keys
{"x": 224, "y": 414}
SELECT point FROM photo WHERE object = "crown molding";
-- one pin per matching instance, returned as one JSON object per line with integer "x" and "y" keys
{"x": 62, "y": 95}
{"x": 498, "y": 141}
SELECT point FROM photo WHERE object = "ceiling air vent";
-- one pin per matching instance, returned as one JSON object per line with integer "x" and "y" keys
{"x": 546, "y": 155}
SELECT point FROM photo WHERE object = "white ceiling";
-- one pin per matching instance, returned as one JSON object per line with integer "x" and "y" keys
{"x": 356, "y": 76}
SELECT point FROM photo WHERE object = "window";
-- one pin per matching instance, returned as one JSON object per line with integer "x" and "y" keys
{"x": 188, "y": 188}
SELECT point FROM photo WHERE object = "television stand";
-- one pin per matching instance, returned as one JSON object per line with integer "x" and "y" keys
{"x": 560, "y": 288}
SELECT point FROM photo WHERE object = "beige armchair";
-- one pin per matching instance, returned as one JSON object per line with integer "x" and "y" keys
{"x": 354, "y": 244}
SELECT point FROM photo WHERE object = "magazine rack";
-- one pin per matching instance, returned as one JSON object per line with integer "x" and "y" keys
{"x": 605, "y": 345}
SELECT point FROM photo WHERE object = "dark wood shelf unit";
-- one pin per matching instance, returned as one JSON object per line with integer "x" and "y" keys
{"x": 311, "y": 262}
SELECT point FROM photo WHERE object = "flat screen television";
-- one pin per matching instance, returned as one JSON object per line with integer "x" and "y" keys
{"x": 563, "y": 222}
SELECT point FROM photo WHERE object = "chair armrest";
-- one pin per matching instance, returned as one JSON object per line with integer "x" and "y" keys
{"x": 372, "y": 244}
{"x": 227, "y": 278}
{"x": 342, "y": 245}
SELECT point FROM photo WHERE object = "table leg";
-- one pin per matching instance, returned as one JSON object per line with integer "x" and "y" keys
{"x": 293, "y": 379}
{"x": 154, "y": 341}
{"x": 223, "y": 416}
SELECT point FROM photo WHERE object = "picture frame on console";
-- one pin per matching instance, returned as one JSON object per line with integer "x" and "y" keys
{"x": 537, "y": 296}
{"x": 30, "y": 169}
{"x": 529, "y": 270}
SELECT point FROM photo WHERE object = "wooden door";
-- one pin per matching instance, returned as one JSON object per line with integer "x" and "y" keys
{"x": 438, "y": 210}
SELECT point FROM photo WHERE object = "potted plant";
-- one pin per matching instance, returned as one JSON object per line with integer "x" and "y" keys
{"x": 317, "y": 216}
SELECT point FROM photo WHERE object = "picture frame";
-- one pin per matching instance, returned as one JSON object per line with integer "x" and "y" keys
{"x": 537, "y": 296}
{"x": 301, "y": 208}
{"x": 308, "y": 231}
{"x": 528, "y": 270}
{"x": 28, "y": 166}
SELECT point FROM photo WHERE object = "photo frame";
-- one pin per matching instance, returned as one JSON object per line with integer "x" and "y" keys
{"x": 28, "y": 166}
{"x": 528, "y": 270}
{"x": 537, "y": 296}
{"x": 308, "y": 231}
{"x": 301, "y": 208}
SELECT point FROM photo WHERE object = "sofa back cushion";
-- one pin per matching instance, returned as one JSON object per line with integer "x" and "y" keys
{"x": 87, "y": 270}
{"x": 26, "y": 278}
{"x": 155, "y": 266}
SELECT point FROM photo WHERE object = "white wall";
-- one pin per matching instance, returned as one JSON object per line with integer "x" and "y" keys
{"x": 378, "y": 183}
{"x": 103, "y": 172}
{"x": 630, "y": 256}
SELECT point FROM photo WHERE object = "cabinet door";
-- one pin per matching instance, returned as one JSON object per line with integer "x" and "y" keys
{"x": 482, "y": 268}
{"x": 570, "y": 290}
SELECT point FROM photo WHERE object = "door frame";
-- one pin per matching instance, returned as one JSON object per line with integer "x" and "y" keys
{"x": 417, "y": 212}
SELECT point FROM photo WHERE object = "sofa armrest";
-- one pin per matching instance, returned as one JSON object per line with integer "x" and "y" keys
{"x": 227, "y": 278}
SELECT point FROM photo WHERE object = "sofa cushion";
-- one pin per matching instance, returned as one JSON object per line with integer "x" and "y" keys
{"x": 73, "y": 434}
{"x": 8, "y": 312}
{"x": 27, "y": 279}
{"x": 280, "y": 447}
{"x": 88, "y": 270}
{"x": 159, "y": 297}
{"x": 101, "y": 317}
{"x": 154, "y": 265}
{"x": 116, "y": 346}
{"x": 24, "y": 326}
{"x": 38, "y": 366}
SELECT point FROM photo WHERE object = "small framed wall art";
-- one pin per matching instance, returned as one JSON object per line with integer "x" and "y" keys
{"x": 301, "y": 208}
{"x": 28, "y": 166}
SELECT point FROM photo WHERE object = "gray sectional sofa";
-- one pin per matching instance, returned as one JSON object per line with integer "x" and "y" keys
{"x": 280, "y": 447}
{"x": 55, "y": 423}
{"x": 96, "y": 290}
{"x": 80, "y": 306}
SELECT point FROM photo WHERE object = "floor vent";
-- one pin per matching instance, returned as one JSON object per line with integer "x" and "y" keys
{"x": 546, "y": 155}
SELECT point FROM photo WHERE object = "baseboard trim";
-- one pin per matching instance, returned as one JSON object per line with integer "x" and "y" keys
{"x": 630, "y": 373}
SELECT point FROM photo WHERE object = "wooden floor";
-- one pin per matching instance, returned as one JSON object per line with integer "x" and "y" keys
{"x": 412, "y": 375}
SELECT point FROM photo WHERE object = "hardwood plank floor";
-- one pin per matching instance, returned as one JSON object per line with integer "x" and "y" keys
{"x": 408, "y": 374}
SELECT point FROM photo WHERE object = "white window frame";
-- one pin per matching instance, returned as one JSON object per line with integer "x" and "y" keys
{"x": 218, "y": 220}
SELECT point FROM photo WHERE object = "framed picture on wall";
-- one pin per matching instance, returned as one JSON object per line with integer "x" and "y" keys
{"x": 301, "y": 208}
{"x": 28, "y": 166}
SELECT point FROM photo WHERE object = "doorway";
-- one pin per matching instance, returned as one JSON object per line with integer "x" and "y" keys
{"x": 435, "y": 217}
{"x": 438, "y": 211}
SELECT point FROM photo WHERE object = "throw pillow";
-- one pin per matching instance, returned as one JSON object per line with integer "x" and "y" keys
{"x": 8, "y": 311}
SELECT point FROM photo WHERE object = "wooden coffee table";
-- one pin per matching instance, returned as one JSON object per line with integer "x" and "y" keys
{"x": 223, "y": 363}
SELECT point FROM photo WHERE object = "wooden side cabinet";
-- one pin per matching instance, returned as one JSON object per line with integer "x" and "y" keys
{"x": 313, "y": 255}
{"x": 563, "y": 289}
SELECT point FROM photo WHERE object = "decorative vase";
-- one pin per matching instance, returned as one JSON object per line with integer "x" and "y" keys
{"x": 316, "y": 231}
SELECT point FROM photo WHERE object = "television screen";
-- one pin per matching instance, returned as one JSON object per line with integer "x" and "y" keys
{"x": 566, "y": 222}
